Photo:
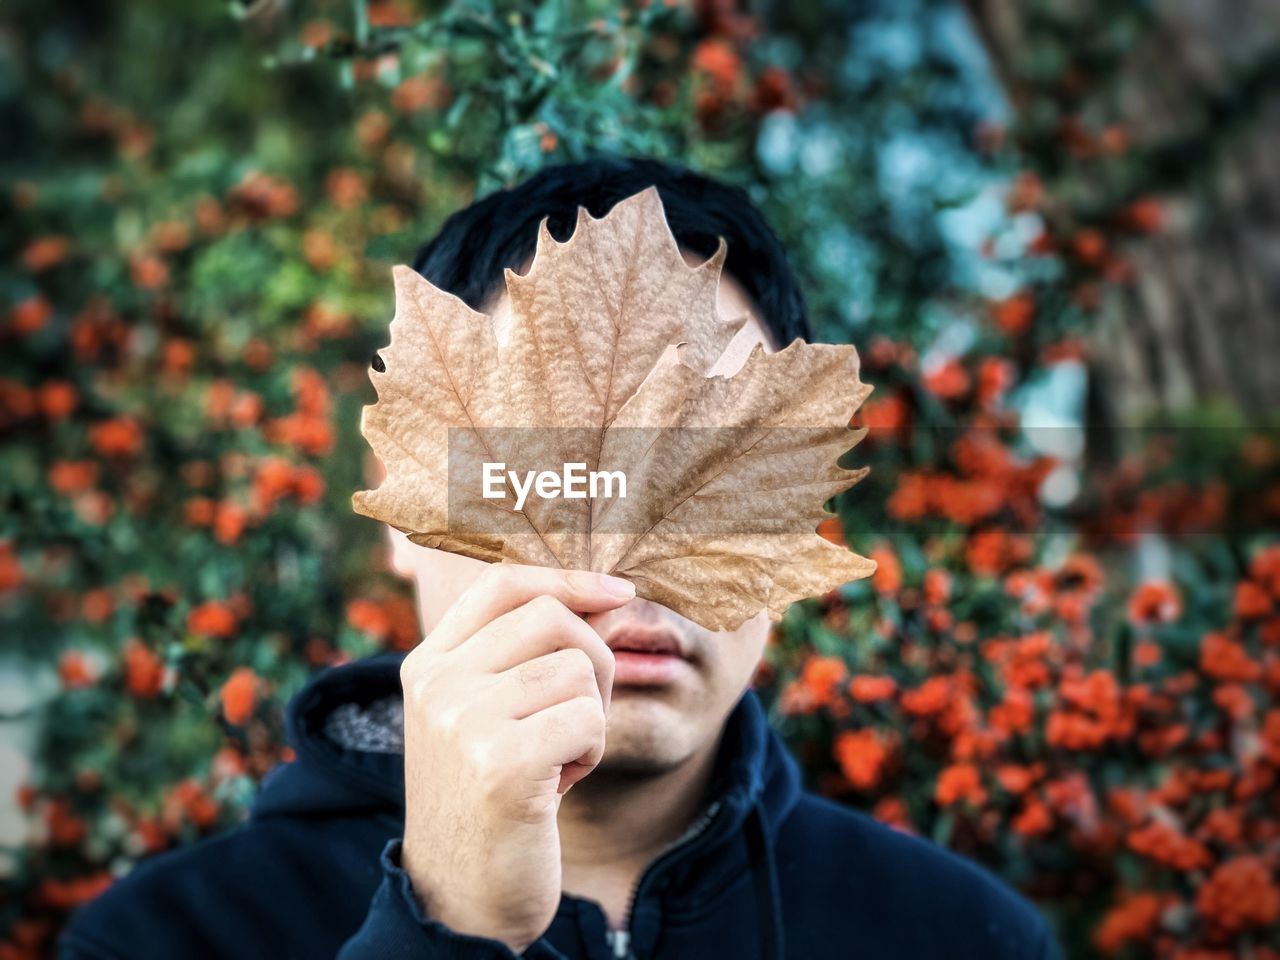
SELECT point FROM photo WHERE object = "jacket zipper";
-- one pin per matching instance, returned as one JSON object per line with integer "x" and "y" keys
{"x": 619, "y": 943}
{"x": 620, "y": 940}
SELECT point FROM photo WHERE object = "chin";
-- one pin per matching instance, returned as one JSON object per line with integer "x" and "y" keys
{"x": 646, "y": 735}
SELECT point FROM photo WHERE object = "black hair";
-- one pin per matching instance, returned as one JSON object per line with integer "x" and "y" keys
{"x": 467, "y": 257}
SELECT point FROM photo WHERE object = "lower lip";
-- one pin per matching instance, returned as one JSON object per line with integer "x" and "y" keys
{"x": 633, "y": 669}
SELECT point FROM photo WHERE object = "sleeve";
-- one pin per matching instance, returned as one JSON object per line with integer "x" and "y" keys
{"x": 396, "y": 927}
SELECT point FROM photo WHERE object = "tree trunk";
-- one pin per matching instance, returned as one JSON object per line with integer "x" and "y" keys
{"x": 1200, "y": 98}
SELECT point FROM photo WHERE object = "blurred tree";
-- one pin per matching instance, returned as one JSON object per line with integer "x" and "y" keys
{"x": 1192, "y": 101}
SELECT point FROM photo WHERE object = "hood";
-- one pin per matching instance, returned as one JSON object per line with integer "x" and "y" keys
{"x": 754, "y": 787}
{"x": 325, "y": 777}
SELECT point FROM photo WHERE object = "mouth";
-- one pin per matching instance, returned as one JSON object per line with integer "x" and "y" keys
{"x": 647, "y": 656}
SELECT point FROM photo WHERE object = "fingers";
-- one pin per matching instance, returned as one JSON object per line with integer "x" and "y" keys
{"x": 505, "y": 586}
{"x": 516, "y": 631}
{"x": 541, "y": 627}
{"x": 567, "y": 737}
{"x": 547, "y": 680}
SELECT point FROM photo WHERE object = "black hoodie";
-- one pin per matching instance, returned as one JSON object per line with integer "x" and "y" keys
{"x": 768, "y": 872}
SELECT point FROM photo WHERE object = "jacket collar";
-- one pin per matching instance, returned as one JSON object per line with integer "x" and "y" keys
{"x": 754, "y": 786}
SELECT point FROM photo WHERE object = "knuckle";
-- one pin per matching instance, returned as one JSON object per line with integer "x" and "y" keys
{"x": 589, "y": 715}
{"x": 496, "y": 577}
{"x": 582, "y": 583}
{"x": 414, "y": 673}
{"x": 419, "y": 671}
{"x": 482, "y": 757}
{"x": 578, "y": 664}
{"x": 444, "y": 718}
{"x": 545, "y": 610}
{"x": 409, "y": 668}
{"x": 554, "y": 726}
{"x": 535, "y": 674}
{"x": 447, "y": 718}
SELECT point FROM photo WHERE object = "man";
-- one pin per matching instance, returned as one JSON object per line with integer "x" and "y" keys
{"x": 559, "y": 769}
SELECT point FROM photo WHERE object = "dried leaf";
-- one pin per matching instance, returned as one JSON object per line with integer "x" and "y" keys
{"x": 611, "y": 338}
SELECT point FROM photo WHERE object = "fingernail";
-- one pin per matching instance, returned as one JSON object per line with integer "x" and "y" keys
{"x": 617, "y": 586}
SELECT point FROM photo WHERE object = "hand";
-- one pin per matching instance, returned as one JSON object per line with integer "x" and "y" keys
{"x": 505, "y": 703}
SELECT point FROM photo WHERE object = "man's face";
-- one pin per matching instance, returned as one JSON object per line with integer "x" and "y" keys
{"x": 663, "y": 711}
